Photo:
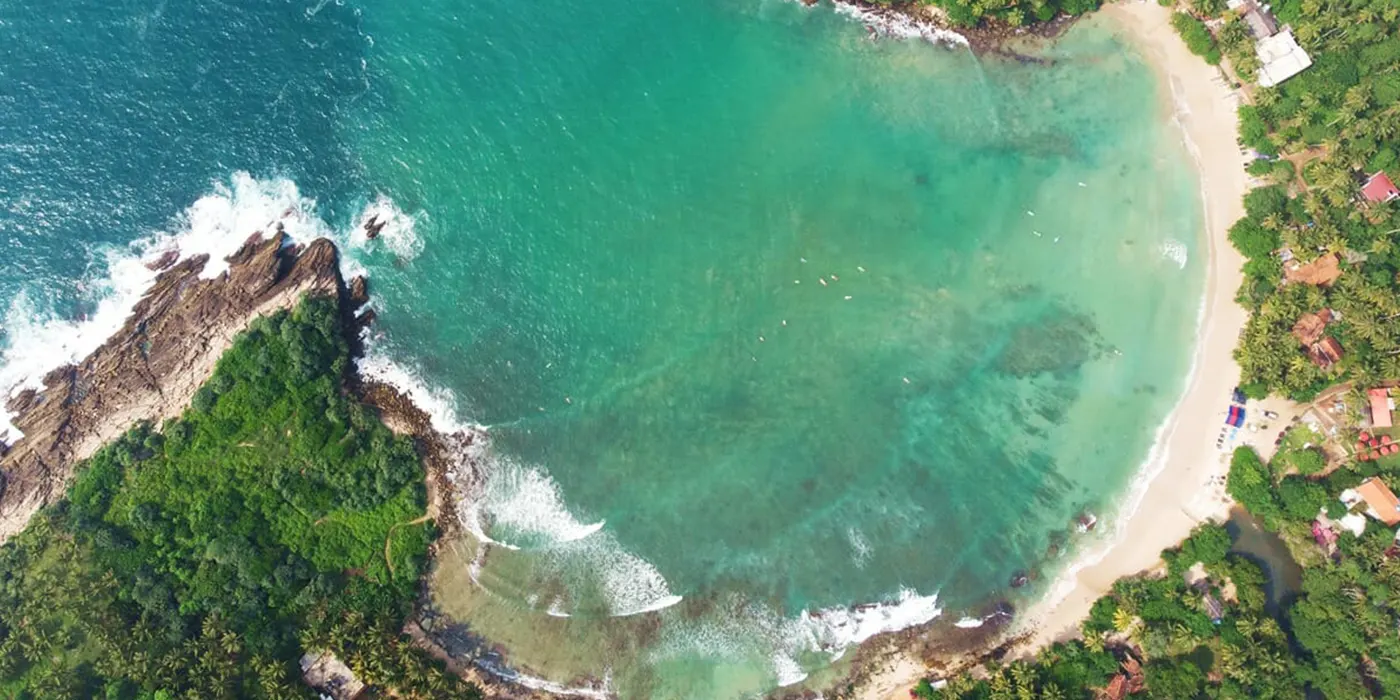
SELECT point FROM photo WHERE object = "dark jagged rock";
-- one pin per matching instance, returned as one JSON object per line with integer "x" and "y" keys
{"x": 150, "y": 369}
{"x": 359, "y": 291}
{"x": 373, "y": 227}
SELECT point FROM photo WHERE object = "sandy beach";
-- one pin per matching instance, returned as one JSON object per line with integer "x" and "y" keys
{"x": 1176, "y": 491}
{"x": 1180, "y": 495}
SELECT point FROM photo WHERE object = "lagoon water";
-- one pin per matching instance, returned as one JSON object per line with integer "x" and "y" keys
{"x": 766, "y": 319}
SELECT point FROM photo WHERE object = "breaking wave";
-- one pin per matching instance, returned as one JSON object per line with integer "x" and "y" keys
{"x": 521, "y": 508}
{"x": 393, "y": 228}
{"x": 833, "y": 630}
{"x": 216, "y": 225}
{"x": 895, "y": 24}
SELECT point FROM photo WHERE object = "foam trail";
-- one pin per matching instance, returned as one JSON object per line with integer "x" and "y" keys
{"x": 216, "y": 225}
{"x": 860, "y": 547}
{"x": 787, "y": 669}
{"x": 550, "y": 687}
{"x": 968, "y": 623}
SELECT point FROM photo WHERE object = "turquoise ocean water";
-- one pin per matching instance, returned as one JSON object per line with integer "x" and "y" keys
{"x": 766, "y": 319}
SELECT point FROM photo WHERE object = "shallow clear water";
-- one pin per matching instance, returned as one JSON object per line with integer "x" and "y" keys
{"x": 756, "y": 309}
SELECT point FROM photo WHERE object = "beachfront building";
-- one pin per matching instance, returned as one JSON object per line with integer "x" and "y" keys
{"x": 1322, "y": 271}
{"x": 1280, "y": 56}
{"x": 1379, "y": 188}
{"x": 1377, "y": 500}
{"x": 1381, "y": 407}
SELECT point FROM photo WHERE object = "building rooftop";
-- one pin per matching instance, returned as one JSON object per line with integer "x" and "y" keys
{"x": 1260, "y": 22}
{"x": 1309, "y": 328}
{"x": 1381, "y": 502}
{"x": 1379, "y": 188}
{"x": 1326, "y": 352}
{"x": 1321, "y": 272}
{"x": 1380, "y": 407}
{"x": 1280, "y": 58}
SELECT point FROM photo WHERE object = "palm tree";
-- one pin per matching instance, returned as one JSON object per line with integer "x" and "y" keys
{"x": 1123, "y": 620}
{"x": 1181, "y": 639}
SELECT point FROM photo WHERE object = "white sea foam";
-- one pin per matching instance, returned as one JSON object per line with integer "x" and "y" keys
{"x": 527, "y": 503}
{"x": 498, "y": 495}
{"x": 968, "y": 623}
{"x": 216, "y": 225}
{"x": 1174, "y": 251}
{"x": 787, "y": 669}
{"x": 437, "y": 402}
{"x": 891, "y": 23}
{"x": 601, "y": 693}
{"x": 860, "y": 548}
{"x": 398, "y": 231}
{"x": 631, "y": 584}
{"x": 835, "y": 629}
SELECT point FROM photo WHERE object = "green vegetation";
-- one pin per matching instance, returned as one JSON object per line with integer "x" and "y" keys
{"x": 202, "y": 560}
{"x": 1335, "y": 640}
{"x": 1338, "y": 122}
{"x": 1301, "y": 451}
{"x": 1168, "y": 625}
{"x": 1198, "y": 39}
{"x": 1341, "y": 118}
{"x": 1014, "y": 13}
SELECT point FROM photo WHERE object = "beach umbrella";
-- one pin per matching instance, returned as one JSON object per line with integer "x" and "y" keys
{"x": 1363, "y": 457}
{"x": 1361, "y": 446}
{"x": 1374, "y": 442}
{"x": 1385, "y": 440}
{"x": 1365, "y": 436}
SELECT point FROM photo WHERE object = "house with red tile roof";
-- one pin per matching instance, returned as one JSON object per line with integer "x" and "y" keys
{"x": 1380, "y": 407}
{"x": 1379, "y": 188}
{"x": 1379, "y": 500}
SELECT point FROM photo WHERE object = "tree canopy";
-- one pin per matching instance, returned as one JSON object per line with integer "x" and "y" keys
{"x": 204, "y": 558}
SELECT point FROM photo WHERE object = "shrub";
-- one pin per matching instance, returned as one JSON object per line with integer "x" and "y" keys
{"x": 1197, "y": 37}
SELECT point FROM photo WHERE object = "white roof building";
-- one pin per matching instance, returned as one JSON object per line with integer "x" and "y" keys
{"x": 1282, "y": 58}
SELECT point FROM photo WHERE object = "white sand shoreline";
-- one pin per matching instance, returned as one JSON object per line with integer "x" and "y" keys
{"x": 1173, "y": 491}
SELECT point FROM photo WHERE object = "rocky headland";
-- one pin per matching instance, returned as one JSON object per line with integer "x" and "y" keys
{"x": 151, "y": 368}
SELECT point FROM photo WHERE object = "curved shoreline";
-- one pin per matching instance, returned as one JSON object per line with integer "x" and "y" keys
{"x": 1172, "y": 493}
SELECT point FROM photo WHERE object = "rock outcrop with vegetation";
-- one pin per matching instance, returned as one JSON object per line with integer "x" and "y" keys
{"x": 150, "y": 369}
{"x": 275, "y": 519}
